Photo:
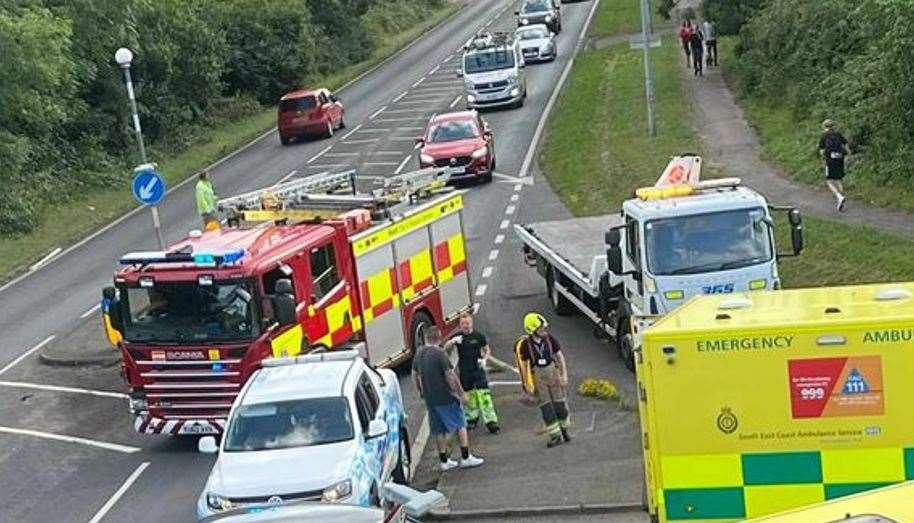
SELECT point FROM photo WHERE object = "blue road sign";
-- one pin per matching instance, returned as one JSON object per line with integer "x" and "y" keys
{"x": 148, "y": 185}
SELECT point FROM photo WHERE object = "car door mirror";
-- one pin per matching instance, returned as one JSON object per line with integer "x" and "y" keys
{"x": 516, "y": 13}
{"x": 207, "y": 445}
{"x": 376, "y": 429}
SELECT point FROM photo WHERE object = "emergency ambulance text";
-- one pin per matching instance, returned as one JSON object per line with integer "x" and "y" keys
{"x": 889, "y": 335}
{"x": 752, "y": 343}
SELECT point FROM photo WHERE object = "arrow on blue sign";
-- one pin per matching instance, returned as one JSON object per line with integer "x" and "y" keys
{"x": 148, "y": 185}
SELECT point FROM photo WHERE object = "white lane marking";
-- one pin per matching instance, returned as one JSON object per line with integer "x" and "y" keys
{"x": 419, "y": 444}
{"x": 419, "y": 81}
{"x": 410, "y": 128}
{"x": 456, "y": 100}
{"x": 509, "y": 210}
{"x": 394, "y": 153}
{"x": 57, "y": 388}
{"x": 435, "y": 69}
{"x": 493, "y": 254}
{"x": 402, "y": 138}
{"x": 379, "y": 111}
{"x": 593, "y": 423}
{"x": 286, "y": 177}
{"x": 505, "y": 383}
{"x": 500, "y": 238}
{"x": 91, "y": 311}
{"x": 504, "y": 224}
{"x": 328, "y": 166}
{"x": 352, "y": 131}
{"x": 27, "y": 353}
{"x": 481, "y": 290}
{"x": 518, "y": 187}
{"x": 118, "y": 493}
{"x": 380, "y": 163}
{"x": 413, "y": 119}
{"x": 402, "y": 165}
{"x": 70, "y": 439}
{"x": 515, "y": 197}
{"x": 423, "y": 98}
{"x": 318, "y": 155}
{"x": 504, "y": 365}
{"x": 513, "y": 179}
{"x": 448, "y": 57}
{"x": 400, "y": 96}
{"x": 37, "y": 265}
{"x": 487, "y": 272}
{"x": 411, "y": 111}
{"x": 328, "y": 155}
{"x": 368, "y": 140}
{"x": 372, "y": 130}
{"x": 417, "y": 102}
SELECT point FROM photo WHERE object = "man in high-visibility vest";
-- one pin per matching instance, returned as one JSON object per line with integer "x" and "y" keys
{"x": 206, "y": 201}
{"x": 543, "y": 355}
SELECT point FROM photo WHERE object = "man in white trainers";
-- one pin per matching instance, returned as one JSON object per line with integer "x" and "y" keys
{"x": 440, "y": 387}
{"x": 833, "y": 148}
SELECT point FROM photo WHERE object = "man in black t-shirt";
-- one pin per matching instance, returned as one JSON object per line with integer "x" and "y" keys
{"x": 833, "y": 149}
{"x": 472, "y": 351}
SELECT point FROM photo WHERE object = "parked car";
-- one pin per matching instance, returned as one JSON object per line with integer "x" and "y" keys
{"x": 537, "y": 43}
{"x": 321, "y": 427}
{"x": 492, "y": 69}
{"x": 546, "y": 12}
{"x": 309, "y": 112}
{"x": 462, "y": 141}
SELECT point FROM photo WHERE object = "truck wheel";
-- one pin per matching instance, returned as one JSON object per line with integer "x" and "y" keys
{"x": 401, "y": 473}
{"x": 560, "y": 303}
{"x": 626, "y": 344}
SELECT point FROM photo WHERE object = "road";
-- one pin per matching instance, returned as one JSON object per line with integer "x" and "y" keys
{"x": 112, "y": 474}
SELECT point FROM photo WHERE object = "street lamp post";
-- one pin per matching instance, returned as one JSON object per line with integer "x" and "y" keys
{"x": 124, "y": 57}
{"x": 646, "y": 36}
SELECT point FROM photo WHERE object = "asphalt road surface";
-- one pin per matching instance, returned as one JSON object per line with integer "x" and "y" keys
{"x": 72, "y": 455}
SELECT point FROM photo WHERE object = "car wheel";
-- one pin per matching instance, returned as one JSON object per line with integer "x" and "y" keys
{"x": 285, "y": 140}
{"x": 342, "y": 121}
{"x": 329, "y": 132}
{"x": 560, "y": 303}
{"x": 401, "y": 473}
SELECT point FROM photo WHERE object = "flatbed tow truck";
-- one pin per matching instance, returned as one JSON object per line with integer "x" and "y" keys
{"x": 678, "y": 239}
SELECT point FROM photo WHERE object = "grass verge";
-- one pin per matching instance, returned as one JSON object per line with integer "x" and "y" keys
{"x": 598, "y": 151}
{"x": 615, "y": 17}
{"x": 66, "y": 223}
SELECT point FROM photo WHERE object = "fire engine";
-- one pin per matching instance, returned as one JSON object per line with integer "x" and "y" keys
{"x": 296, "y": 267}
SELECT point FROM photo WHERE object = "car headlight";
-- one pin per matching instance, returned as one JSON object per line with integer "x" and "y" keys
{"x": 548, "y": 18}
{"x": 217, "y": 502}
{"x": 337, "y": 492}
{"x": 471, "y": 98}
{"x": 479, "y": 153}
{"x": 515, "y": 92}
{"x": 426, "y": 158}
{"x": 524, "y": 21}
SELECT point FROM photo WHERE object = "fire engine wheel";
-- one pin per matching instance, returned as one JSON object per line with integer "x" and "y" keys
{"x": 560, "y": 303}
{"x": 401, "y": 473}
{"x": 626, "y": 344}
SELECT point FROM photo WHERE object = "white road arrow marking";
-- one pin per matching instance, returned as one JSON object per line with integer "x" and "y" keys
{"x": 504, "y": 178}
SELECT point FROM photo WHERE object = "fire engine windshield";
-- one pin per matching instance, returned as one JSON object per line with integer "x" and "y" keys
{"x": 708, "y": 242}
{"x": 189, "y": 313}
{"x": 287, "y": 424}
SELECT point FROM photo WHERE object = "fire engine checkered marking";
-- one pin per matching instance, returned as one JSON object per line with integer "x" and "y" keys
{"x": 750, "y": 485}
{"x": 339, "y": 327}
{"x": 450, "y": 258}
{"x": 416, "y": 274}
{"x": 378, "y": 294}
{"x": 409, "y": 223}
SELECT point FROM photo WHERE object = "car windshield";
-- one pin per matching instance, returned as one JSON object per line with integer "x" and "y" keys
{"x": 488, "y": 61}
{"x": 533, "y": 33}
{"x": 287, "y": 424}
{"x": 298, "y": 104}
{"x": 188, "y": 312}
{"x": 708, "y": 242}
{"x": 535, "y": 6}
{"x": 452, "y": 131}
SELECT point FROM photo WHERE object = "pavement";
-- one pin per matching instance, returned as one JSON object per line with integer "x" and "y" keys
{"x": 68, "y": 451}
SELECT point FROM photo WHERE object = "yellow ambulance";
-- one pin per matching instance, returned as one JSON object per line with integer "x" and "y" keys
{"x": 760, "y": 402}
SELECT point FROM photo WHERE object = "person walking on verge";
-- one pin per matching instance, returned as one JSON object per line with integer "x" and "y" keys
{"x": 206, "y": 201}
{"x": 685, "y": 33}
{"x": 710, "y": 34}
{"x": 550, "y": 376}
{"x": 833, "y": 149}
{"x": 473, "y": 348}
{"x": 696, "y": 45}
{"x": 440, "y": 387}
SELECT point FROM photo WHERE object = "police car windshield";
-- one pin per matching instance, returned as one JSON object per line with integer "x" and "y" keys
{"x": 189, "y": 312}
{"x": 708, "y": 242}
{"x": 452, "y": 131}
{"x": 287, "y": 424}
{"x": 484, "y": 61}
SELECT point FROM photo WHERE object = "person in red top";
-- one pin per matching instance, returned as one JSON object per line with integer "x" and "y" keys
{"x": 685, "y": 34}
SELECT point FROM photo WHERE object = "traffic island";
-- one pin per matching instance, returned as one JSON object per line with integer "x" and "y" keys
{"x": 599, "y": 471}
{"x": 83, "y": 346}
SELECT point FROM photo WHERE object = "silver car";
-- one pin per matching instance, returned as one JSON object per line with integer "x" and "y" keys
{"x": 537, "y": 43}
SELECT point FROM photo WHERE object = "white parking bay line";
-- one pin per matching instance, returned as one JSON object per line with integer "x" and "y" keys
{"x": 402, "y": 165}
{"x": 119, "y": 493}
{"x": 91, "y": 311}
{"x": 456, "y": 100}
{"x": 57, "y": 388}
{"x": 70, "y": 439}
{"x": 27, "y": 353}
{"x": 318, "y": 155}
{"x": 352, "y": 131}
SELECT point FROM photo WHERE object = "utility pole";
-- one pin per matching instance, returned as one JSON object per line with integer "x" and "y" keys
{"x": 646, "y": 37}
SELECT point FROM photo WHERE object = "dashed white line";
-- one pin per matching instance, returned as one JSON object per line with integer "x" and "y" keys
{"x": 518, "y": 187}
{"x": 402, "y": 165}
{"x": 394, "y": 153}
{"x": 480, "y": 290}
{"x": 119, "y": 493}
{"x": 448, "y": 57}
{"x": 456, "y": 100}
{"x": 400, "y": 96}
{"x": 91, "y": 311}
{"x": 493, "y": 254}
{"x": 328, "y": 166}
{"x": 500, "y": 238}
{"x": 70, "y": 439}
{"x": 291, "y": 173}
{"x": 380, "y": 163}
{"x": 379, "y": 111}
{"x": 419, "y": 102}
{"x": 402, "y": 138}
{"x": 353, "y": 131}
{"x": 27, "y": 353}
{"x": 413, "y": 119}
{"x": 515, "y": 197}
{"x": 366, "y": 140}
{"x": 318, "y": 155}
{"x": 329, "y": 155}
{"x": 419, "y": 82}
{"x": 487, "y": 272}
{"x": 504, "y": 224}
{"x": 57, "y": 388}
{"x": 435, "y": 69}
{"x": 509, "y": 210}
{"x": 40, "y": 263}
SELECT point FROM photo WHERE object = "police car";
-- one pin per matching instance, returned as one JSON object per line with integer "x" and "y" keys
{"x": 321, "y": 427}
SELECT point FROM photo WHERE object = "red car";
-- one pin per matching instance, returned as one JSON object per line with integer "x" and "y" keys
{"x": 462, "y": 141}
{"x": 310, "y": 112}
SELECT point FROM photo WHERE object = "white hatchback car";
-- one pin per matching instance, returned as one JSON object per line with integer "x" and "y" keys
{"x": 537, "y": 43}
{"x": 323, "y": 427}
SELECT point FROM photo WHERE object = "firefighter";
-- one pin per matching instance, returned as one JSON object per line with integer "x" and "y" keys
{"x": 542, "y": 352}
{"x": 473, "y": 348}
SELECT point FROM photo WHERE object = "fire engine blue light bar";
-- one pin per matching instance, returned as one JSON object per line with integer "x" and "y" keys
{"x": 198, "y": 258}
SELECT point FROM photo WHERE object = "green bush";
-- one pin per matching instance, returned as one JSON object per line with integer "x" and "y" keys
{"x": 730, "y": 15}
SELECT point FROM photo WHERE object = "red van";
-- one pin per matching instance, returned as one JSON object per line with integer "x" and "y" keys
{"x": 309, "y": 112}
